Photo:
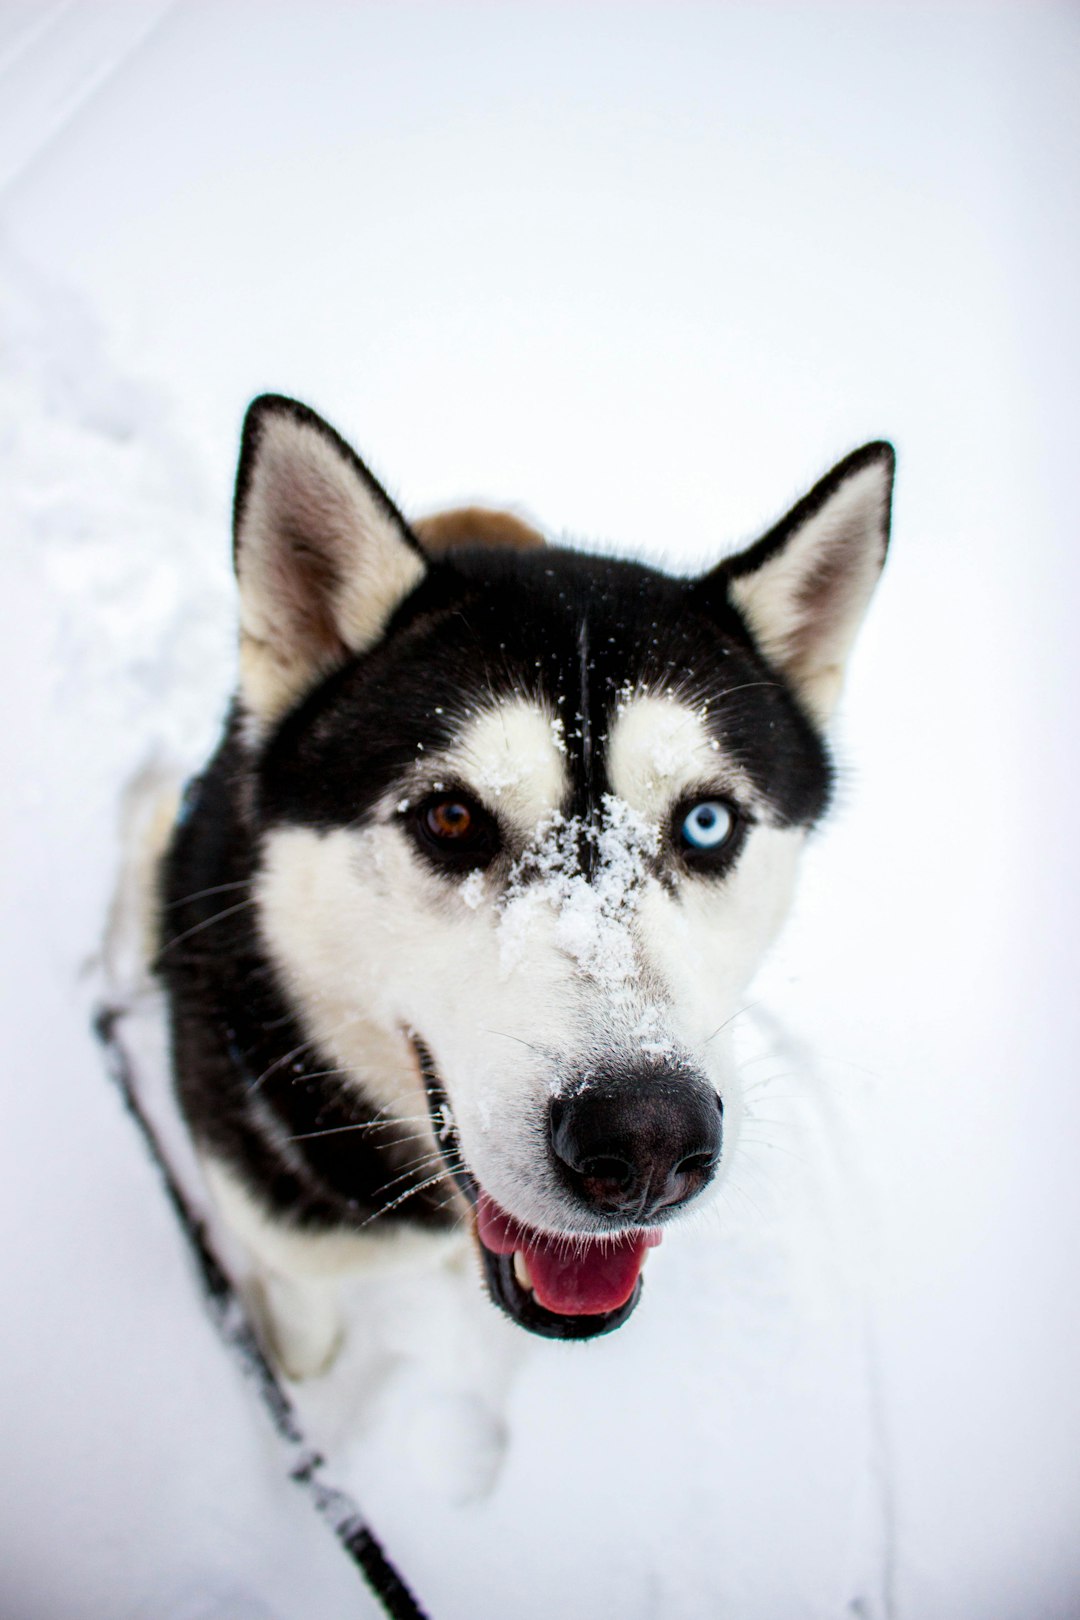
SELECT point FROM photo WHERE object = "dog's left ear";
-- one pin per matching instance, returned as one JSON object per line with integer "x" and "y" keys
{"x": 804, "y": 587}
{"x": 323, "y": 557}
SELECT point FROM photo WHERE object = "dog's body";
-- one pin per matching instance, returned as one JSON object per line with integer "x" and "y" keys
{"x": 460, "y": 912}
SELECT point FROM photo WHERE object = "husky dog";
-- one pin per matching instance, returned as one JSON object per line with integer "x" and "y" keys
{"x": 458, "y": 915}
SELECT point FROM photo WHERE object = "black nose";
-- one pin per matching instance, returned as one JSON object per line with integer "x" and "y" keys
{"x": 638, "y": 1141}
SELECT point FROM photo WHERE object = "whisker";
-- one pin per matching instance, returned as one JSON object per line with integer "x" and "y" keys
{"x": 280, "y": 1062}
{"x": 775, "y": 1147}
{"x": 422, "y": 1162}
{"x": 410, "y": 1192}
{"x": 304, "y": 1046}
{"x": 321, "y": 1074}
{"x": 452, "y": 1198}
{"x": 779, "y": 1097}
{"x": 543, "y": 1051}
{"x": 745, "y": 687}
{"x": 769, "y": 1080}
{"x": 207, "y": 922}
{"x": 734, "y": 1187}
{"x": 364, "y": 1125}
{"x": 750, "y": 1005}
{"x": 758, "y": 1172}
{"x": 204, "y": 894}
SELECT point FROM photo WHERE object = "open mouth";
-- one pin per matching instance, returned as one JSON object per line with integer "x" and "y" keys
{"x": 556, "y": 1284}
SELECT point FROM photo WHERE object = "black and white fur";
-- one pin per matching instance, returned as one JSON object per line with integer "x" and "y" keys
{"x": 373, "y": 1026}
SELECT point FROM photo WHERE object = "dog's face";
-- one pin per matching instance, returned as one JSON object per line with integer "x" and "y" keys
{"x": 528, "y": 820}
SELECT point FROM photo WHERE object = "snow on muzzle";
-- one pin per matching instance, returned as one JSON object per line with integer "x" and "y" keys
{"x": 630, "y": 1147}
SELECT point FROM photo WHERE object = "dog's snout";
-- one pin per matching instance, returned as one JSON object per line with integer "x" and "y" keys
{"x": 639, "y": 1143}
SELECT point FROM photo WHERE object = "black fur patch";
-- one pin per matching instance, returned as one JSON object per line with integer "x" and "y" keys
{"x": 566, "y": 630}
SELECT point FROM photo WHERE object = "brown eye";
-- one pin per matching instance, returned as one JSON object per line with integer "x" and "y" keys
{"x": 455, "y": 832}
{"x": 449, "y": 818}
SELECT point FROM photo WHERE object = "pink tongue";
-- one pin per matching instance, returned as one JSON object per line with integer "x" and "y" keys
{"x": 573, "y": 1276}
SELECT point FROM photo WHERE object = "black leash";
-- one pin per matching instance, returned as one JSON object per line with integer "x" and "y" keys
{"x": 231, "y": 1320}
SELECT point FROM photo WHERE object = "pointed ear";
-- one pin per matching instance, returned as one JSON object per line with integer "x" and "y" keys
{"x": 804, "y": 587}
{"x": 323, "y": 557}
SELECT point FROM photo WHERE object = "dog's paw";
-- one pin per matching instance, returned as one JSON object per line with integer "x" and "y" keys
{"x": 299, "y": 1323}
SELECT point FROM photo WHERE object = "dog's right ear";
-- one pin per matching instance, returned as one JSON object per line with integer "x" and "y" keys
{"x": 803, "y": 589}
{"x": 323, "y": 557}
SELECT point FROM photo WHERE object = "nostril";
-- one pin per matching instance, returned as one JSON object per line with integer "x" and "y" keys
{"x": 606, "y": 1169}
{"x": 697, "y": 1164}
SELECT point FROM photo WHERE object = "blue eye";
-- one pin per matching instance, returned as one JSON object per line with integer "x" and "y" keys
{"x": 707, "y": 825}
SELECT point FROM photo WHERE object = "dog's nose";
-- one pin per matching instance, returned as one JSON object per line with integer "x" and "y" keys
{"x": 639, "y": 1142}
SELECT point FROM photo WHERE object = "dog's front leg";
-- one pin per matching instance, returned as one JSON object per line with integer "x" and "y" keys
{"x": 294, "y": 1277}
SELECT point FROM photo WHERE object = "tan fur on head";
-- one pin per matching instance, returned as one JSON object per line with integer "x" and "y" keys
{"x": 475, "y": 526}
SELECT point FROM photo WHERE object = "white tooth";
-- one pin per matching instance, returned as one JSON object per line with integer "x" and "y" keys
{"x": 521, "y": 1271}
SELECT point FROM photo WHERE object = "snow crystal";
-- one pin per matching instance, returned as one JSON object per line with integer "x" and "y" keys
{"x": 650, "y": 1034}
{"x": 447, "y": 1124}
{"x": 472, "y": 890}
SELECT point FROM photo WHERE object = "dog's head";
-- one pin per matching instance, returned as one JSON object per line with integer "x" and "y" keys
{"x": 527, "y": 820}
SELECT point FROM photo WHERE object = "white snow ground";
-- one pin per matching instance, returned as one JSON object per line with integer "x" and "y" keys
{"x": 645, "y": 271}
